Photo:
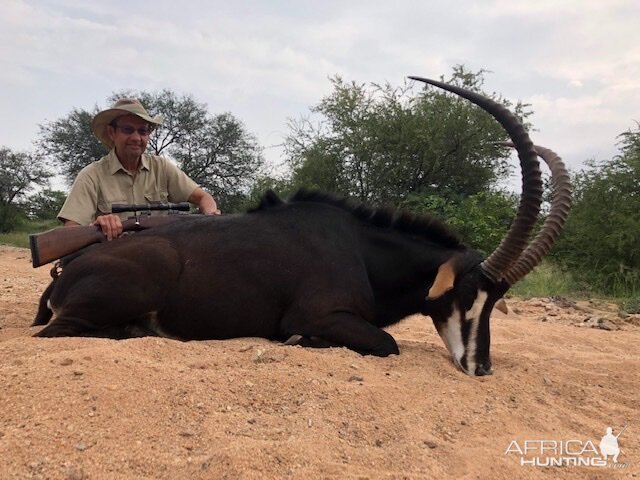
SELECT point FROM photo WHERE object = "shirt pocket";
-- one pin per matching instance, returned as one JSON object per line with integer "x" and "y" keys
{"x": 104, "y": 205}
{"x": 156, "y": 196}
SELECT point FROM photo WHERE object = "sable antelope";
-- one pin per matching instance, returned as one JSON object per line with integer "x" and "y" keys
{"x": 314, "y": 270}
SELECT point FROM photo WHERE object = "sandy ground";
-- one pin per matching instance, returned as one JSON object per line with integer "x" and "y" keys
{"x": 150, "y": 408}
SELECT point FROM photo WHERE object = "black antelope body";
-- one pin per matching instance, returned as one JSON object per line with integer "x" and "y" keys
{"x": 314, "y": 270}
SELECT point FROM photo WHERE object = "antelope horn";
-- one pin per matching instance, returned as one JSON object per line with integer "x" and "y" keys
{"x": 552, "y": 227}
{"x": 518, "y": 235}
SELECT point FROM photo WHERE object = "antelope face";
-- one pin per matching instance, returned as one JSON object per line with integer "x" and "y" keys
{"x": 461, "y": 316}
{"x": 465, "y": 333}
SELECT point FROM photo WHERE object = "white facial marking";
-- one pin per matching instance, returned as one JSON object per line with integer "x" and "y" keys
{"x": 473, "y": 315}
{"x": 451, "y": 333}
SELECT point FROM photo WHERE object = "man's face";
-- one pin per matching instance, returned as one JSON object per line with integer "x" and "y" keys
{"x": 128, "y": 136}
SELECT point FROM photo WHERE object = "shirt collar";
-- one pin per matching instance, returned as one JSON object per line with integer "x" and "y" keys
{"x": 144, "y": 163}
{"x": 115, "y": 165}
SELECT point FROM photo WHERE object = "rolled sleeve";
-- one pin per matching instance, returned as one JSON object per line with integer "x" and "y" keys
{"x": 80, "y": 204}
{"x": 179, "y": 185}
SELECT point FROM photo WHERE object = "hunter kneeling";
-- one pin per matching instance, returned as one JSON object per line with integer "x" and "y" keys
{"x": 127, "y": 174}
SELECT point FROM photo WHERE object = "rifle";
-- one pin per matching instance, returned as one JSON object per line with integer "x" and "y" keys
{"x": 61, "y": 241}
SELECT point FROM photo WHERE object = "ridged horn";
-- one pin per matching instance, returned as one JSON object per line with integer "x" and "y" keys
{"x": 517, "y": 238}
{"x": 553, "y": 224}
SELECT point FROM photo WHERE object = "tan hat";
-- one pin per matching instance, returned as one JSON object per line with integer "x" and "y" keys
{"x": 124, "y": 106}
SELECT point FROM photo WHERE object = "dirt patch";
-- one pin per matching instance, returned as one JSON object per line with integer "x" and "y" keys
{"x": 79, "y": 408}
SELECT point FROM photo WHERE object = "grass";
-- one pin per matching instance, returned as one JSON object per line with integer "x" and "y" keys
{"x": 631, "y": 305}
{"x": 548, "y": 280}
{"x": 20, "y": 236}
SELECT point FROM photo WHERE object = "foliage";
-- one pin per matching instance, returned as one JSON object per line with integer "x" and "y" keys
{"x": 281, "y": 186}
{"x": 19, "y": 174}
{"x": 45, "y": 204}
{"x": 382, "y": 143}
{"x": 222, "y": 157}
{"x": 549, "y": 279}
{"x": 10, "y": 217}
{"x": 631, "y": 305}
{"x": 481, "y": 219}
{"x": 69, "y": 143}
{"x": 601, "y": 241}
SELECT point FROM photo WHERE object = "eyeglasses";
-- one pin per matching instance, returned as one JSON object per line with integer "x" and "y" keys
{"x": 128, "y": 130}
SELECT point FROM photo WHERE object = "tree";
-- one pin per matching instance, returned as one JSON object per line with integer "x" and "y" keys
{"x": 45, "y": 204}
{"x": 482, "y": 219}
{"x": 382, "y": 143}
{"x": 216, "y": 151}
{"x": 282, "y": 186}
{"x": 69, "y": 143}
{"x": 601, "y": 241}
{"x": 19, "y": 174}
{"x": 222, "y": 157}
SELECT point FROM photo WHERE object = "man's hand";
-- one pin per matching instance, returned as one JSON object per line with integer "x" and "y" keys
{"x": 209, "y": 209}
{"x": 111, "y": 225}
{"x": 205, "y": 202}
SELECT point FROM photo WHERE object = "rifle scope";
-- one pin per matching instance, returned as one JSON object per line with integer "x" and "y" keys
{"x": 147, "y": 207}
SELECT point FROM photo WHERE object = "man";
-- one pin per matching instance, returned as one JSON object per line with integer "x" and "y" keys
{"x": 127, "y": 174}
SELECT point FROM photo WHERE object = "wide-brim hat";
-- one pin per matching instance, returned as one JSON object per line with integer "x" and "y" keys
{"x": 124, "y": 106}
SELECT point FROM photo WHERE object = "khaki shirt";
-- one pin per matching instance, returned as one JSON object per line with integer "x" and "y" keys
{"x": 106, "y": 181}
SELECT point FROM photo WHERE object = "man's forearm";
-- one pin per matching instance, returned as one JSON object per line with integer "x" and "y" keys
{"x": 204, "y": 201}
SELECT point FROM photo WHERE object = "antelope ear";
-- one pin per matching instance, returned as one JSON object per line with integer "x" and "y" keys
{"x": 501, "y": 305}
{"x": 444, "y": 280}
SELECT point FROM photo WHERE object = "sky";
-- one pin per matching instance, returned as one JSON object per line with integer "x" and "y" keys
{"x": 577, "y": 63}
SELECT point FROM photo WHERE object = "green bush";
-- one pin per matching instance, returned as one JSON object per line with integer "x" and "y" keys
{"x": 548, "y": 280}
{"x": 10, "y": 217}
{"x": 481, "y": 219}
{"x": 631, "y": 305}
{"x": 601, "y": 240}
{"x": 46, "y": 203}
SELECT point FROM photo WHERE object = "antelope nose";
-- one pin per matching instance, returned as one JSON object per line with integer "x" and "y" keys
{"x": 482, "y": 370}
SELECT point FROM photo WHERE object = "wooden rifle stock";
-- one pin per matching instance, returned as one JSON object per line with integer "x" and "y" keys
{"x": 58, "y": 242}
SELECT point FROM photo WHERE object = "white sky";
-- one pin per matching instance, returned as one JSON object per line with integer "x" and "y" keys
{"x": 576, "y": 62}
